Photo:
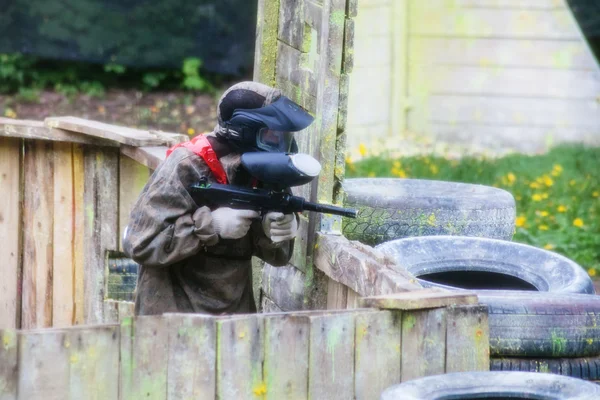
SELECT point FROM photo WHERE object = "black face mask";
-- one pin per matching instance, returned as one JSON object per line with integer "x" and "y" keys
{"x": 269, "y": 128}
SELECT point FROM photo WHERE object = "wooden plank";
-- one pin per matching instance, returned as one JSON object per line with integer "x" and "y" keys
{"x": 43, "y": 365}
{"x": 377, "y": 354}
{"x": 541, "y": 112}
{"x": 94, "y": 362}
{"x": 111, "y": 311}
{"x": 37, "y": 130}
{"x": 78, "y": 239}
{"x": 268, "y": 305}
{"x": 494, "y": 53}
{"x": 354, "y": 264}
{"x": 240, "y": 357}
{"x": 63, "y": 236}
{"x": 150, "y": 156}
{"x": 285, "y": 286}
{"x": 150, "y": 355}
{"x": 331, "y": 356}
{"x": 353, "y": 299}
{"x": 436, "y": 18}
{"x": 133, "y": 176}
{"x": 337, "y": 295}
{"x": 467, "y": 339}
{"x": 291, "y": 23}
{"x": 423, "y": 343}
{"x": 101, "y": 224}
{"x": 265, "y": 56}
{"x": 192, "y": 356}
{"x": 119, "y": 134}
{"x": 529, "y": 82}
{"x": 10, "y": 231}
{"x": 286, "y": 361}
{"x": 9, "y": 367}
{"x": 38, "y": 209}
{"x": 419, "y": 299}
{"x": 296, "y": 68}
{"x": 126, "y": 365}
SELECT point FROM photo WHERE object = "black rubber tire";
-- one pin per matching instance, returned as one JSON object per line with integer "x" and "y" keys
{"x": 581, "y": 368}
{"x": 493, "y": 385}
{"x": 545, "y": 270}
{"x": 545, "y": 325}
{"x": 397, "y": 208}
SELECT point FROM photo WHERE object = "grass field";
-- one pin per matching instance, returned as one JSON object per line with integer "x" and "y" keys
{"x": 557, "y": 193}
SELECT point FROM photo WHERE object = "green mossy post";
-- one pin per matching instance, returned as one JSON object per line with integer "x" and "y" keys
{"x": 304, "y": 47}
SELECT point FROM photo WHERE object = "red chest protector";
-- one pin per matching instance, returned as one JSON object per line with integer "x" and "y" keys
{"x": 201, "y": 147}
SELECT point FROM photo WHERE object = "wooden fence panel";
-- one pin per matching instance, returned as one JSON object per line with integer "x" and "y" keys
{"x": 133, "y": 176}
{"x": 467, "y": 339}
{"x": 63, "y": 235}
{"x": 8, "y": 365}
{"x": 43, "y": 365}
{"x": 10, "y": 232}
{"x": 377, "y": 353}
{"x": 192, "y": 356}
{"x": 94, "y": 362}
{"x": 240, "y": 358}
{"x": 286, "y": 357}
{"x": 149, "y": 358}
{"x": 101, "y": 223}
{"x": 38, "y": 219}
{"x": 423, "y": 343}
{"x": 331, "y": 356}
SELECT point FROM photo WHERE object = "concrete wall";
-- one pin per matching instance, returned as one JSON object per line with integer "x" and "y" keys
{"x": 474, "y": 76}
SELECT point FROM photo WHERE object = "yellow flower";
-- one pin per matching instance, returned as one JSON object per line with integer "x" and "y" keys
{"x": 543, "y": 227}
{"x": 555, "y": 173}
{"x": 348, "y": 160}
{"x": 548, "y": 181}
{"x": 557, "y": 167}
{"x": 572, "y": 182}
{"x": 520, "y": 222}
{"x": 518, "y": 197}
{"x": 10, "y": 113}
{"x": 549, "y": 246}
{"x": 534, "y": 185}
{"x": 191, "y": 131}
{"x": 371, "y": 174}
{"x": 595, "y": 194}
{"x": 544, "y": 195}
{"x": 561, "y": 208}
{"x": 397, "y": 164}
{"x": 434, "y": 169}
{"x": 578, "y": 222}
{"x": 536, "y": 197}
{"x": 591, "y": 272}
{"x": 511, "y": 177}
{"x": 542, "y": 213}
{"x": 362, "y": 149}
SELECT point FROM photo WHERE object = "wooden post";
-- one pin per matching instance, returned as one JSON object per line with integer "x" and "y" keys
{"x": 78, "y": 239}
{"x": 10, "y": 231}
{"x": 467, "y": 339}
{"x": 150, "y": 355}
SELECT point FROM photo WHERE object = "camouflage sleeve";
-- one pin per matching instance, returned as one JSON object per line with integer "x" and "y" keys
{"x": 165, "y": 224}
{"x": 276, "y": 254}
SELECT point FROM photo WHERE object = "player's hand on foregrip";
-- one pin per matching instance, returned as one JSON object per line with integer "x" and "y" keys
{"x": 232, "y": 224}
{"x": 280, "y": 227}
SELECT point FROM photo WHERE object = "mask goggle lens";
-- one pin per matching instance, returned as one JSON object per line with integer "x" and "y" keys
{"x": 271, "y": 140}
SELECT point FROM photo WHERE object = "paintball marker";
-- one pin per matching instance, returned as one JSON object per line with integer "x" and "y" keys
{"x": 277, "y": 172}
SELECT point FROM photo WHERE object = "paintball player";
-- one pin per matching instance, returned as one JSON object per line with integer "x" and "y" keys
{"x": 198, "y": 260}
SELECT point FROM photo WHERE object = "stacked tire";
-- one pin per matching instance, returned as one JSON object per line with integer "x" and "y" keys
{"x": 542, "y": 315}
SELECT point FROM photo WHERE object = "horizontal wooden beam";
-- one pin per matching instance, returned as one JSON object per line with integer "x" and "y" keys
{"x": 421, "y": 299}
{"x": 150, "y": 156}
{"x": 360, "y": 267}
{"x": 119, "y": 134}
{"x": 37, "y": 130}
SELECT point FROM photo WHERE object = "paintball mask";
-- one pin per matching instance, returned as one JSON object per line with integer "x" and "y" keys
{"x": 268, "y": 128}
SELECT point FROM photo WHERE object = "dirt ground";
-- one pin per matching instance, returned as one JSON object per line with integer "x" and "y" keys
{"x": 177, "y": 112}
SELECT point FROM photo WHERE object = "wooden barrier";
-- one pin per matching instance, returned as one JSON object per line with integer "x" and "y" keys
{"x": 68, "y": 185}
{"x": 345, "y": 354}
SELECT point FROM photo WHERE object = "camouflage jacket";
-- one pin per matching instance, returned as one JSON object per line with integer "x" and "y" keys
{"x": 184, "y": 265}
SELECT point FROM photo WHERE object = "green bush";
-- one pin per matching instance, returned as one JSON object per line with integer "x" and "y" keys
{"x": 557, "y": 194}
